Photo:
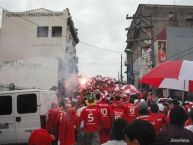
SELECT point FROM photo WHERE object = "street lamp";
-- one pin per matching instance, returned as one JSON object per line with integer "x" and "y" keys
{"x": 131, "y": 76}
{"x": 129, "y": 50}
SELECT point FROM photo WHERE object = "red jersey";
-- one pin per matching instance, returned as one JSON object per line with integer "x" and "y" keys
{"x": 118, "y": 113}
{"x": 53, "y": 119}
{"x": 131, "y": 111}
{"x": 67, "y": 131}
{"x": 116, "y": 104}
{"x": 105, "y": 111}
{"x": 161, "y": 119}
{"x": 91, "y": 117}
{"x": 49, "y": 121}
{"x": 152, "y": 120}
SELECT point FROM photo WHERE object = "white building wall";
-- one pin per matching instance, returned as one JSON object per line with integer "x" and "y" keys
{"x": 30, "y": 73}
{"x": 28, "y": 60}
{"x": 20, "y": 35}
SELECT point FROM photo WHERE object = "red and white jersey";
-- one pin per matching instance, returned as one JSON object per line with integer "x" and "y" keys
{"x": 131, "y": 111}
{"x": 118, "y": 113}
{"x": 91, "y": 117}
{"x": 117, "y": 104}
{"x": 161, "y": 119}
{"x": 152, "y": 120}
{"x": 188, "y": 106}
{"x": 105, "y": 111}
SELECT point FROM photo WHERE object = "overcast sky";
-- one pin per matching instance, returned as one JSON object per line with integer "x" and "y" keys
{"x": 100, "y": 23}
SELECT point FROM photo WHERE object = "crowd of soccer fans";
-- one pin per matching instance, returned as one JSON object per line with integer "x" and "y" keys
{"x": 104, "y": 116}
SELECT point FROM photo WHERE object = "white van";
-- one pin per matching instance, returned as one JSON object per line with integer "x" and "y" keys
{"x": 21, "y": 112}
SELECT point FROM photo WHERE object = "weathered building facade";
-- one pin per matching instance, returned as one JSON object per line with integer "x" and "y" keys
{"x": 37, "y": 48}
{"x": 143, "y": 39}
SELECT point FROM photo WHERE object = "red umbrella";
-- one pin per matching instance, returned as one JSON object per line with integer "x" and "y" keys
{"x": 171, "y": 74}
{"x": 129, "y": 89}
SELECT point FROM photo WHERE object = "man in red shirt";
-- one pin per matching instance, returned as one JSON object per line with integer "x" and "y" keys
{"x": 68, "y": 122}
{"x": 52, "y": 123}
{"x": 160, "y": 117}
{"x": 118, "y": 109}
{"x": 144, "y": 115}
{"x": 131, "y": 110}
{"x": 117, "y": 102}
{"x": 92, "y": 122}
{"x": 105, "y": 112}
{"x": 118, "y": 112}
{"x": 51, "y": 116}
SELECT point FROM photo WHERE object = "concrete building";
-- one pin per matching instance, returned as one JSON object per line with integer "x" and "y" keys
{"x": 144, "y": 33}
{"x": 37, "y": 48}
{"x": 179, "y": 44}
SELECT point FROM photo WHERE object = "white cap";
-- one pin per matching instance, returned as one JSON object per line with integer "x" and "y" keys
{"x": 161, "y": 107}
{"x": 142, "y": 100}
{"x": 136, "y": 101}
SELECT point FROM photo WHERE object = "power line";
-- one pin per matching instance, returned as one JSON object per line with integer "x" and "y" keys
{"x": 104, "y": 49}
{"x": 95, "y": 66}
{"x": 100, "y": 63}
{"x": 109, "y": 63}
{"x": 184, "y": 55}
{"x": 180, "y": 52}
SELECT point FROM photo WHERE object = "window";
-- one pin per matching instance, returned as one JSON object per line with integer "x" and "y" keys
{"x": 172, "y": 16}
{"x": 42, "y": 31}
{"x": 57, "y": 31}
{"x": 5, "y": 105}
{"x": 26, "y": 103}
{"x": 189, "y": 16}
{"x": 173, "y": 19}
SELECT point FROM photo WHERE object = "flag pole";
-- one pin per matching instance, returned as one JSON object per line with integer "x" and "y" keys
{"x": 183, "y": 93}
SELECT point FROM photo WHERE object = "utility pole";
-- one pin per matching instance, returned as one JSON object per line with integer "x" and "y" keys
{"x": 130, "y": 77}
{"x": 121, "y": 70}
{"x": 152, "y": 44}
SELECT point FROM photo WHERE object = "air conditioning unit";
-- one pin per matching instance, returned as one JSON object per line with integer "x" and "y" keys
{"x": 189, "y": 17}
